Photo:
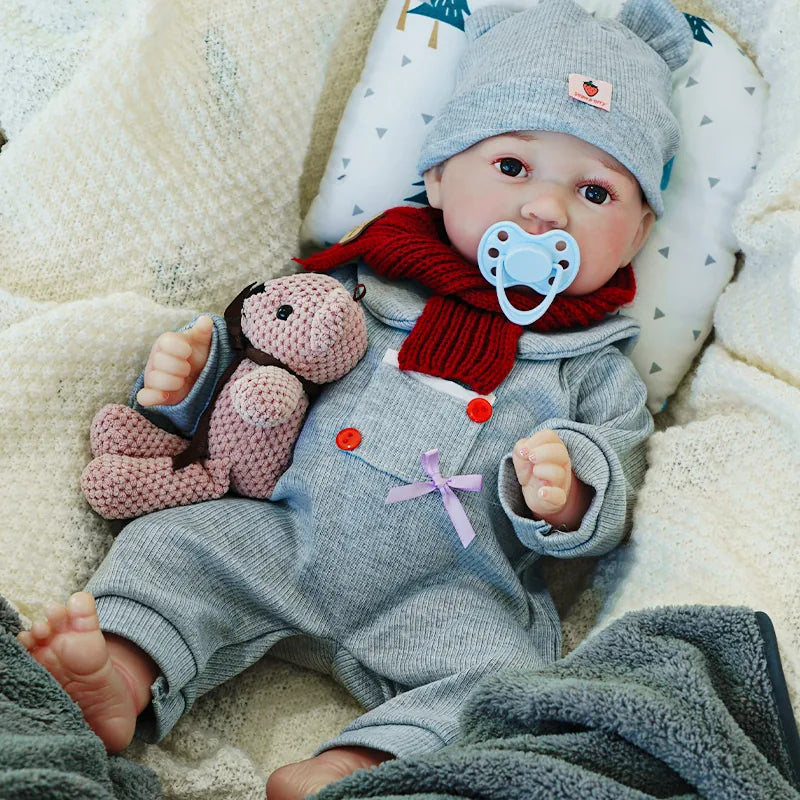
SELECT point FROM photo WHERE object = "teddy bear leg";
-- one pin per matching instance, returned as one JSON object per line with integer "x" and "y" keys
{"x": 121, "y": 429}
{"x": 121, "y": 487}
{"x": 258, "y": 482}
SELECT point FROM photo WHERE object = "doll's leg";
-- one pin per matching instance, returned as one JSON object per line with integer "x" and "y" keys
{"x": 407, "y": 721}
{"x": 424, "y": 720}
{"x": 203, "y": 590}
{"x": 121, "y": 429}
{"x": 122, "y": 487}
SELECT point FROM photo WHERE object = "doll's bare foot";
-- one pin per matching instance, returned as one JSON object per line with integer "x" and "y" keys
{"x": 295, "y": 781}
{"x": 71, "y": 647}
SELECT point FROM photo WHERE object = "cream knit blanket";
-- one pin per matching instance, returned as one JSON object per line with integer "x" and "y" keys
{"x": 160, "y": 156}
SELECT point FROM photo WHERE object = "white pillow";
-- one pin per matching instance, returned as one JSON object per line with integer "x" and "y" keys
{"x": 718, "y": 97}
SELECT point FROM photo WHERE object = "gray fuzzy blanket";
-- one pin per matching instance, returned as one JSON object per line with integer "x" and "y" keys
{"x": 47, "y": 751}
{"x": 675, "y": 702}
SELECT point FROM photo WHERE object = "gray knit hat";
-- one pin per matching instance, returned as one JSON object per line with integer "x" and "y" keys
{"x": 514, "y": 76}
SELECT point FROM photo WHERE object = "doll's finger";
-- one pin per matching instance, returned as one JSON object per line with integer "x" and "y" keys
{"x": 203, "y": 326}
{"x": 200, "y": 332}
{"x": 164, "y": 362}
{"x": 155, "y": 379}
{"x": 522, "y": 464}
{"x": 151, "y": 397}
{"x": 553, "y": 474}
{"x": 550, "y": 500}
{"x": 175, "y": 344}
{"x": 540, "y": 502}
{"x": 200, "y": 340}
{"x": 525, "y": 447}
{"x": 545, "y": 436}
{"x": 552, "y": 452}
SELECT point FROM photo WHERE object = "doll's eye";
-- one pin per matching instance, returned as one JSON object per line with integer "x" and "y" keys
{"x": 595, "y": 194}
{"x": 283, "y": 312}
{"x": 512, "y": 167}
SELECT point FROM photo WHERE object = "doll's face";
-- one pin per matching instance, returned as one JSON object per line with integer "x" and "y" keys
{"x": 542, "y": 181}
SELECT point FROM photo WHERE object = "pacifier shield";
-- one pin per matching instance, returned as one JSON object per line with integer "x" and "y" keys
{"x": 546, "y": 262}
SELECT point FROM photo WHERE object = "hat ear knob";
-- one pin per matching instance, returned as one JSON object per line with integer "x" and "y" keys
{"x": 662, "y": 26}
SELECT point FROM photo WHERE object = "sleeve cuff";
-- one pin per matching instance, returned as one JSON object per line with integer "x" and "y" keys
{"x": 603, "y": 522}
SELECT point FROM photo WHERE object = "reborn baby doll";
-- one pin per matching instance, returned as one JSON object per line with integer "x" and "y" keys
{"x": 399, "y": 550}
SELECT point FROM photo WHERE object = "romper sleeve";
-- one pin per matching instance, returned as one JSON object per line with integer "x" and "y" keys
{"x": 605, "y": 436}
{"x": 182, "y": 417}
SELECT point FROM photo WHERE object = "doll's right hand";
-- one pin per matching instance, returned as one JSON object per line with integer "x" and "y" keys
{"x": 175, "y": 361}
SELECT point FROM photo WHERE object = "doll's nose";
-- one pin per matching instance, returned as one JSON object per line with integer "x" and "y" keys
{"x": 544, "y": 209}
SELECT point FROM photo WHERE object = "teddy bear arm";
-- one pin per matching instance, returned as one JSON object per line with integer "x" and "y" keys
{"x": 266, "y": 396}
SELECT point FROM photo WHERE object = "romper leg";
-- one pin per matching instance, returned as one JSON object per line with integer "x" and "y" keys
{"x": 414, "y": 666}
{"x": 416, "y": 721}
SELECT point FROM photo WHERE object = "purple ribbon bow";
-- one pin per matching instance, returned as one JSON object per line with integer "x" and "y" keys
{"x": 445, "y": 486}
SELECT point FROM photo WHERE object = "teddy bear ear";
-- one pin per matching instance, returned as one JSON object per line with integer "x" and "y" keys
{"x": 485, "y": 19}
{"x": 233, "y": 313}
{"x": 662, "y": 26}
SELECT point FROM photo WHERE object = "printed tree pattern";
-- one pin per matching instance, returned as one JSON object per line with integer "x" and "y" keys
{"x": 699, "y": 27}
{"x": 451, "y": 12}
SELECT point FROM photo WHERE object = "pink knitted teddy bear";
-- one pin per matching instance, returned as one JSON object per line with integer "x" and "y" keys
{"x": 288, "y": 336}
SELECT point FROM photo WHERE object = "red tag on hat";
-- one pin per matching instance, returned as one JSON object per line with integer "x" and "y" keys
{"x": 595, "y": 92}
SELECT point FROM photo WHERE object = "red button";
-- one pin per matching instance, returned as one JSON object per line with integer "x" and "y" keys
{"x": 479, "y": 409}
{"x": 348, "y": 438}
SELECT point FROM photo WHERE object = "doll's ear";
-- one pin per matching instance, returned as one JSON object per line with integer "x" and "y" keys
{"x": 433, "y": 185}
{"x": 485, "y": 19}
{"x": 662, "y": 26}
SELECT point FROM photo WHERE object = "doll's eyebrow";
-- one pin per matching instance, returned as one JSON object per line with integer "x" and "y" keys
{"x": 530, "y": 136}
{"x": 525, "y": 136}
{"x": 613, "y": 167}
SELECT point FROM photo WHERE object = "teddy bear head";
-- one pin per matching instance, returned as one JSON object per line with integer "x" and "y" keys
{"x": 308, "y": 321}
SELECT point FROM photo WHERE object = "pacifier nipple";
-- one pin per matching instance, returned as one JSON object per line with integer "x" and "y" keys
{"x": 547, "y": 263}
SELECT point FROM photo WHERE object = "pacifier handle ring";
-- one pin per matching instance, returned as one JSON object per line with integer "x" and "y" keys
{"x": 527, "y": 317}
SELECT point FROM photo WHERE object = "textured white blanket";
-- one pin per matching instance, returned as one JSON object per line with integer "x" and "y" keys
{"x": 717, "y": 519}
{"x": 160, "y": 156}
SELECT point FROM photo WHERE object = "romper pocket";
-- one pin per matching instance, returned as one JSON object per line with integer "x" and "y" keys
{"x": 401, "y": 415}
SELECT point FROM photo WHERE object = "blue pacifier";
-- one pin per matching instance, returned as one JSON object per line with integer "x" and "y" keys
{"x": 545, "y": 262}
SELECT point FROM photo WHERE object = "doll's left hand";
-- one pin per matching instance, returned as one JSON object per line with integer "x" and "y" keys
{"x": 544, "y": 472}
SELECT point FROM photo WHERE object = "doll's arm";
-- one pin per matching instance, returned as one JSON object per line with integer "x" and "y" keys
{"x": 176, "y": 360}
{"x": 182, "y": 417}
{"x": 605, "y": 440}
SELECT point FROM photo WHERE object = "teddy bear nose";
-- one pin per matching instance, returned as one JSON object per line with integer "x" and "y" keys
{"x": 332, "y": 320}
{"x": 283, "y": 312}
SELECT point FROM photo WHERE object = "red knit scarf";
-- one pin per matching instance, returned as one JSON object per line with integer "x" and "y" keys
{"x": 461, "y": 334}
